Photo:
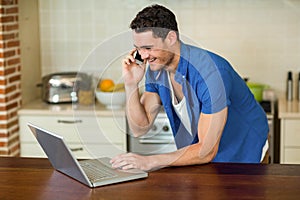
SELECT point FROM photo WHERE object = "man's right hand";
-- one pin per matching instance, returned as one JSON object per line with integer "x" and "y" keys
{"x": 132, "y": 72}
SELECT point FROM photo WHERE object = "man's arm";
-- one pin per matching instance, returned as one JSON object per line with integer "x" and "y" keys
{"x": 210, "y": 128}
{"x": 141, "y": 112}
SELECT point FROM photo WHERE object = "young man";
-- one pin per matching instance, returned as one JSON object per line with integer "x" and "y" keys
{"x": 213, "y": 115}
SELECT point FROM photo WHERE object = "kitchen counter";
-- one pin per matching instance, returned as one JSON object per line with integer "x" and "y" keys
{"x": 28, "y": 178}
{"x": 288, "y": 109}
{"x": 38, "y": 107}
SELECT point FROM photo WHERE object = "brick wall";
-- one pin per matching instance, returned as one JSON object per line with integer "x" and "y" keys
{"x": 10, "y": 78}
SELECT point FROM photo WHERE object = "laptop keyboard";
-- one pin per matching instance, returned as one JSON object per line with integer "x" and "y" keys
{"x": 95, "y": 170}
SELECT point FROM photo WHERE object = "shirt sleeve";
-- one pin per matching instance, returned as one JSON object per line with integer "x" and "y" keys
{"x": 213, "y": 91}
{"x": 151, "y": 84}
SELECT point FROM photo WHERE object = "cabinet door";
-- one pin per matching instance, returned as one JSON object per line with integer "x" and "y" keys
{"x": 32, "y": 149}
{"x": 290, "y": 141}
{"x": 88, "y": 136}
{"x": 83, "y": 129}
{"x": 63, "y": 126}
{"x": 292, "y": 156}
{"x": 292, "y": 132}
{"x": 80, "y": 151}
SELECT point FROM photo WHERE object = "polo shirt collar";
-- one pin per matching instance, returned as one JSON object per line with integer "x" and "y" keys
{"x": 183, "y": 63}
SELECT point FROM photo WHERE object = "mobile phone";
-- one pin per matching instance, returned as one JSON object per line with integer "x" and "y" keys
{"x": 138, "y": 58}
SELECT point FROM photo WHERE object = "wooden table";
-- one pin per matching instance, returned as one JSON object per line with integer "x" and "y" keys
{"x": 29, "y": 178}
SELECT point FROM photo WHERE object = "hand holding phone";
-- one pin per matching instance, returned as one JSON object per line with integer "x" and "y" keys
{"x": 138, "y": 58}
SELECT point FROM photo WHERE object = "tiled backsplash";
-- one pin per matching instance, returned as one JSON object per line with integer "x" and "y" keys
{"x": 261, "y": 39}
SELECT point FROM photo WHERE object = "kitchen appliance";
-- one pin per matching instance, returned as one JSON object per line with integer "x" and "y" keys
{"x": 157, "y": 141}
{"x": 298, "y": 87}
{"x": 63, "y": 87}
{"x": 289, "y": 89}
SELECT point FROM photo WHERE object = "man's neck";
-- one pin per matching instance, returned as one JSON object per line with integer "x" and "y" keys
{"x": 174, "y": 64}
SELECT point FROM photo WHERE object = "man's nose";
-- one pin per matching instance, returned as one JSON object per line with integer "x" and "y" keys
{"x": 144, "y": 54}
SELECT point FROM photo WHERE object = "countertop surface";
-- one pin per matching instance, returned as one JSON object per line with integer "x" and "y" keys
{"x": 38, "y": 107}
{"x": 32, "y": 178}
{"x": 288, "y": 109}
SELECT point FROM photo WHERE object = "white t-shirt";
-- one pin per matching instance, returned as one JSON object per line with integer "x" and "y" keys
{"x": 180, "y": 108}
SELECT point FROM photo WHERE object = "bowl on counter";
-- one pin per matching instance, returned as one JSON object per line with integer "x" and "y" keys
{"x": 112, "y": 100}
{"x": 257, "y": 90}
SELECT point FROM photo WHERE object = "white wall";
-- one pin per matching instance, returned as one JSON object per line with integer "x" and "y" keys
{"x": 261, "y": 38}
{"x": 30, "y": 49}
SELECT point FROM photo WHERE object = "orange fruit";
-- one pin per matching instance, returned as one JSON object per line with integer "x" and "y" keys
{"x": 106, "y": 85}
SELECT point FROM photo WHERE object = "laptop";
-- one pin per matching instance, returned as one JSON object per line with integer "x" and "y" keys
{"x": 91, "y": 172}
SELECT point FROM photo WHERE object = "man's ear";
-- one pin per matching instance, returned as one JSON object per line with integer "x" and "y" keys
{"x": 171, "y": 38}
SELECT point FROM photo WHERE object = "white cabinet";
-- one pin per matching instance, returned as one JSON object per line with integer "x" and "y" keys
{"x": 89, "y": 135}
{"x": 290, "y": 141}
{"x": 289, "y": 115}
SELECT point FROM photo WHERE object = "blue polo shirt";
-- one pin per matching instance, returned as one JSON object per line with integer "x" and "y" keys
{"x": 209, "y": 84}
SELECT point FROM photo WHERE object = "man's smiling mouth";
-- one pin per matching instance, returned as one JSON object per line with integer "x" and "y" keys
{"x": 151, "y": 60}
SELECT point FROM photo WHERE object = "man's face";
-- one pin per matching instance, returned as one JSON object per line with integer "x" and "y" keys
{"x": 154, "y": 50}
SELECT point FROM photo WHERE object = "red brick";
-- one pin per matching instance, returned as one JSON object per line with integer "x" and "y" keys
{"x": 9, "y": 71}
{"x": 13, "y": 43}
{"x": 10, "y": 89}
{"x": 6, "y": 54}
{"x": 3, "y": 144}
{"x": 13, "y": 114}
{"x": 3, "y": 82}
{"x": 7, "y": 36}
{"x": 15, "y": 150}
{"x": 11, "y": 27}
{"x": 3, "y": 126}
{"x": 13, "y": 140}
{"x": 15, "y": 78}
{"x": 5, "y": 19}
{"x": 4, "y": 153}
{"x": 13, "y": 97}
{"x": 7, "y": 2}
{"x": 2, "y": 45}
{"x": 13, "y": 61}
{"x": 11, "y": 10}
{"x": 3, "y": 117}
{"x": 2, "y": 108}
{"x": 7, "y": 91}
{"x": 13, "y": 123}
{"x": 3, "y": 135}
{"x": 10, "y": 142}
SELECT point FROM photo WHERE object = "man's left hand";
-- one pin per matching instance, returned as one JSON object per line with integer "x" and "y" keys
{"x": 131, "y": 161}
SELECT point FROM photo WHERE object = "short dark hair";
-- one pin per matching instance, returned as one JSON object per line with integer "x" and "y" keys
{"x": 155, "y": 18}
